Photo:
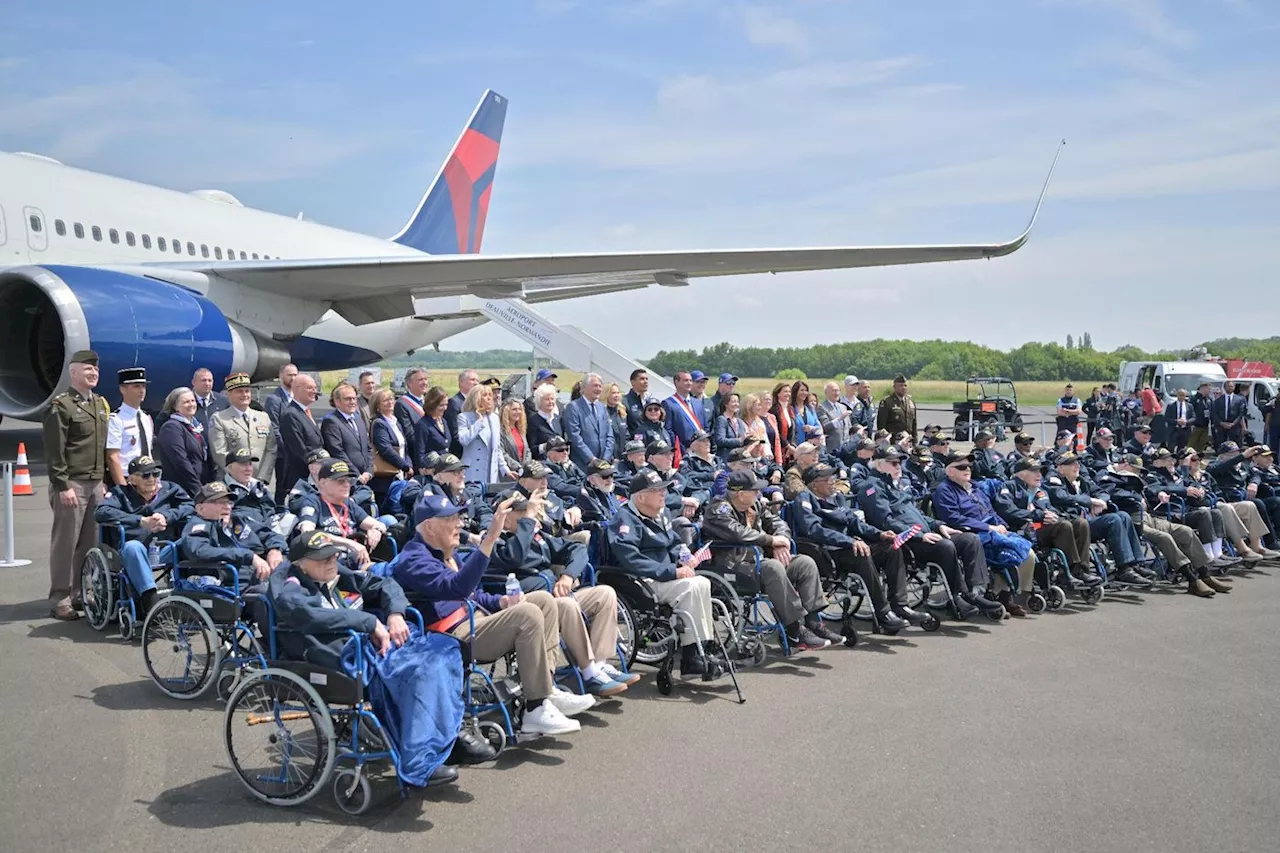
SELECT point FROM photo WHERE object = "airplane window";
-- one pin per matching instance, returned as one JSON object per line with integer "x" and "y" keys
{"x": 129, "y": 238}
{"x": 204, "y": 250}
{"x": 114, "y": 235}
{"x": 60, "y": 227}
{"x": 191, "y": 249}
{"x": 97, "y": 233}
{"x": 243, "y": 256}
{"x": 217, "y": 253}
{"x": 177, "y": 247}
{"x": 146, "y": 241}
{"x": 36, "y": 227}
{"x": 255, "y": 256}
{"x": 161, "y": 244}
{"x": 79, "y": 229}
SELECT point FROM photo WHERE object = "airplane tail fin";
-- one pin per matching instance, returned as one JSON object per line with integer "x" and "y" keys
{"x": 450, "y": 217}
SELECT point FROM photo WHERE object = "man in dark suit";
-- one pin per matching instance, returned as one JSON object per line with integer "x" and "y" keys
{"x": 345, "y": 432}
{"x": 408, "y": 409}
{"x": 274, "y": 404}
{"x": 298, "y": 431}
{"x": 683, "y": 417}
{"x": 467, "y": 380}
{"x": 635, "y": 400}
{"x": 1178, "y": 418}
{"x": 586, "y": 424}
{"x": 1229, "y": 415}
{"x": 207, "y": 402}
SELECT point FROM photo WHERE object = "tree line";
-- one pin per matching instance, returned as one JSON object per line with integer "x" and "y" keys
{"x": 882, "y": 359}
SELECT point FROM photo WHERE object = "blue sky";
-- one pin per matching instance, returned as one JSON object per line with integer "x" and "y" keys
{"x": 681, "y": 123}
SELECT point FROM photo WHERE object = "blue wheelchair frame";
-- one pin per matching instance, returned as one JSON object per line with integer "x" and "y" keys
{"x": 123, "y": 608}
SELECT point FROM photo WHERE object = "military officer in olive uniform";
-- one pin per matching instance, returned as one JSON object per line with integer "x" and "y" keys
{"x": 75, "y": 441}
{"x": 897, "y": 412}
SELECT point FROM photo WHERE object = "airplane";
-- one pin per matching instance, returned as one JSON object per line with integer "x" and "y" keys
{"x": 173, "y": 281}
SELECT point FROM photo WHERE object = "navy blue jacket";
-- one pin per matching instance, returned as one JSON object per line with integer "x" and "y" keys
{"x": 730, "y": 433}
{"x": 384, "y": 441}
{"x": 299, "y": 435}
{"x": 890, "y": 508}
{"x": 529, "y": 553}
{"x": 438, "y": 590}
{"x": 308, "y": 630}
{"x": 644, "y": 547}
{"x": 183, "y": 455}
{"x": 829, "y": 521}
{"x": 968, "y": 511}
{"x": 124, "y": 506}
{"x": 597, "y": 506}
{"x": 428, "y": 436}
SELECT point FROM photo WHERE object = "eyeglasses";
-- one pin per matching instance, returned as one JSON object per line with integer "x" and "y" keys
{"x": 893, "y": 463}
{"x": 150, "y": 475}
{"x": 963, "y": 467}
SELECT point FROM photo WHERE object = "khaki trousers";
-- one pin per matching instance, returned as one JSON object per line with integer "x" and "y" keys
{"x": 1177, "y": 543}
{"x": 600, "y": 606}
{"x": 1026, "y": 574}
{"x": 531, "y": 629}
{"x": 690, "y": 598}
{"x": 1248, "y": 522}
{"x": 73, "y": 533}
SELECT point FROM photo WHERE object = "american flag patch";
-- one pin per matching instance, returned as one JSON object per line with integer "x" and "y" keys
{"x": 871, "y": 491}
{"x": 623, "y": 529}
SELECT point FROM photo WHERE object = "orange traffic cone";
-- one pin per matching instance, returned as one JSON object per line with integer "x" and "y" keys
{"x": 21, "y": 474}
{"x": 1080, "y": 437}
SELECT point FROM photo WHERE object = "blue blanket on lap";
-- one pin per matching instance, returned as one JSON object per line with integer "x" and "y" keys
{"x": 416, "y": 691}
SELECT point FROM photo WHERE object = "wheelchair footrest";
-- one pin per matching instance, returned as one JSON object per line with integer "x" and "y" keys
{"x": 507, "y": 690}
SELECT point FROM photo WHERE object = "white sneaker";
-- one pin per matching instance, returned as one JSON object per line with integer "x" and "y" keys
{"x": 568, "y": 703}
{"x": 546, "y": 719}
{"x": 1251, "y": 557}
{"x": 1269, "y": 554}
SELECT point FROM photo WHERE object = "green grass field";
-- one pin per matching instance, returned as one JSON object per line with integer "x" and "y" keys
{"x": 925, "y": 391}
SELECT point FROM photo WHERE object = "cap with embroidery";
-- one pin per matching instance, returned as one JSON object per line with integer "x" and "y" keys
{"x": 1104, "y": 433}
{"x": 336, "y": 469}
{"x": 656, "y": 447}
{"x": 699, "y": 435}
{"x": 817, "y": 472}
{"x": 1133, "y": 461}
{"x": 889, "y": 452}
{"x": 698, "y": 376}
{"x": 534, "y": 470}
{"x": 600, "y": 467}
{"x": 983, "y": 434}
{"x": 313, "y": 545}
{"x": 1068, "y": 458}
{"x": 633, "y": 447}
{"x": 1228, "y": 447}
{"x": 448, "y": 463}
{"x": 1141, "y": 428}
{"x": 131, "y": 376}
{"x": 936, "y": 440}
{"x": 431, "y": 460}
{"x": 236, "y": 380}
{"x": 84, "y": 356}
{"x": 211, "y": 492}
{"x": 240, "y": 454}
{"x": 144, "y": 465}
{"x": 433, "y": 506}
{"x": 317, "y": 455}
{"x": 1024, "y": 438}
{"x": 745, "y": 481}
{"x": 557, "y": 442}
{"x": 953, "y": 458}
{"x": 865, "y": 444}
{"x": 1026, "y": 463}
{"x": 739, "y": 454}
{"x": 1162, "y": 453}
{"x": 645, "y": 478}
{"x": 492, "y": 382}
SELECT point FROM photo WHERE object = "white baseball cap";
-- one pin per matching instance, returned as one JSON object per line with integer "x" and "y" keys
{"x": 851, "y": 380}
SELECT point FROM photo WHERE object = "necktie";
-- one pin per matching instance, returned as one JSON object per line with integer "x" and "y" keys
{"x": 142, "y": 436}
{"x": 245, "y": 418}
{"x": 307, "y": 409}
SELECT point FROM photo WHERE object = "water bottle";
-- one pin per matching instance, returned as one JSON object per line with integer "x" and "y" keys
{"x": 153, "y": 554}
{"x": 513, "y": 586}
{"x": 685, "y": 554}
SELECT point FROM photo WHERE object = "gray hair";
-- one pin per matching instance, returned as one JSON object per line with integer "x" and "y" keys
{"x": 544, "y": 391}
{"x": 592, "y": 376}
{"x": 412, "y": 372}
{"x": 469, "y": 370}
{"x": 171, "y": 402}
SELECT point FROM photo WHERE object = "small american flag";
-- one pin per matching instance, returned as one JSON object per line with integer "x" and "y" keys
{"x": 901, "y": 538}
{"x": 700, "y": 556}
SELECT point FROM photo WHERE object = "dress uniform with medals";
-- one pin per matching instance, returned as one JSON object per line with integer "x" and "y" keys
{"x": 130, "y": 432}
{"x": 75, "y": 439}
{"x": 231, "y": 429}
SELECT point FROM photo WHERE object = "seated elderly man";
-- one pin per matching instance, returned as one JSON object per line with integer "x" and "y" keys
{"x": 332, "y": 510}
{"x": 958, "y": 504}
{"x": 918, "y": 469}
{"x": 147, "y": 508}
{"x": 1177, "y": 543}
{"x": 599, "y": 501}
{"x": 1023, "y": 448}
{"x": 680, "y": 505}
{"x": 988, "y": 463}
{"x": 556, "y": 518}
{"x": 304, "y": 487}
{"x": 448, "y": 477}
{"x": 1102, "y": 452}
{"x": 631, "y": 459}
{"x": 564, "y": 477}
{"x": 317, "y": 603}
{"x": 440, "y": 584}
{"x": 792, "y": 583}
{"x": 1241, "y": 521}
{"x": 806, "y": 456}
{"x": 1074, "y": 496}
{"x": 253, "y": 499}
{"x": 1026, "y": 507}
{"x": 824, "y": 517}
{"x": 644, "y": 543}
{"x": 556, "y": 565}
{"x": 1233, "y": 472}
{"x": 1165, "y": 482}
{"x": 699, "y": 467}
{"x": 1265, "y": 476}
{"x": 887, "y": 502}
{"x": 213, "y": 536}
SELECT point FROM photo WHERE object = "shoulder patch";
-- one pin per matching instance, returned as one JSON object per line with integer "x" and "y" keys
{"x": 1004, "y": 491}
{"x": 1055, "y": 481}
{"x": 307, "y": 512}
{"x": 197, "y": 528}
{"x": 623, "y": 529}
{"x": 724, "y": 509}
{"x": 807, "y": 505}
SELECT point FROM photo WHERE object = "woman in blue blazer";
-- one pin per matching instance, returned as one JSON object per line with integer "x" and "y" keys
{"x": 730, "y": 432}
{"x": 391, "y": 447}
{"x": 180, "y": 446}
{"x": 432, "y": 433}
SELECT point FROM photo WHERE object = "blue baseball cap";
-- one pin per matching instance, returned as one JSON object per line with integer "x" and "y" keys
{"x": 728, "y": 379}
{"x": 698, "y": 376}
{"x": 433, "y": 506}
{"x": 544, "y": 374}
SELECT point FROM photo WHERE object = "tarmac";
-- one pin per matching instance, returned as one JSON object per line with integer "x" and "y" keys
{"x": 1147, "y": 723}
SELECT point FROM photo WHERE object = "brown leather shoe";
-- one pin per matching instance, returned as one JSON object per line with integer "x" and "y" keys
{"x": 64, "y": 612}
{"x": 1015, "y": 609}
{"x": 1215, "y": 584}
{"x": 1200, "y": 588}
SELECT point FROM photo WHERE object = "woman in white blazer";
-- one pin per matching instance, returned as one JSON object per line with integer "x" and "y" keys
{"x": 480, "y": 434}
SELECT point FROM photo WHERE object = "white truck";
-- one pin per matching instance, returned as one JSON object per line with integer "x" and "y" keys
{"x": 1166, "y": 378}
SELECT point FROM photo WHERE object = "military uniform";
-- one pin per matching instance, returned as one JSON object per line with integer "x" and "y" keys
{"x": 75, "y": 438}
{"x": 897, "y": 414}
{"x": 130, "y": 432}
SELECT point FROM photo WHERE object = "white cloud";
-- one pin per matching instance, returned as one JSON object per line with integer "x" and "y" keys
{"x": 769, "y": 27}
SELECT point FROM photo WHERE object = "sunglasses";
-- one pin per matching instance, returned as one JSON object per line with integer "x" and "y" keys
{"x": 964, "y": 467}
{"x": 893, "y": 463}
{"x": 150, "y": 475}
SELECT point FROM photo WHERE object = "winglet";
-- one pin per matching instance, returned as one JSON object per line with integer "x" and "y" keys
{"x": 1002, "y": 249}
{"x": 450, "y": 217}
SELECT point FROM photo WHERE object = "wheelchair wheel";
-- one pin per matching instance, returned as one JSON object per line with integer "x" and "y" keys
{"x": 97, "y": 588}
{"x": 244, "y": 656}
{"x": 931, "y": 624}
{"x": 494, "y": 733}
{"x": 918, "y": 587}
{"x": 1055, "y": 598}
{"x": 279, "y": 737}
{"x": 995, "y": 615}
{"x": 1092, "y": 594}
{"x": 181, "y": 647}
{"x": 724, "y": 592}
{"x": 628, "y": 636}
{"x": 126, "y": 623}
{"x": 664, "y": 681}
{"x": 351, "y": 791}
{"x": 1036, "y": 603}
{"x": 850, "y": 634}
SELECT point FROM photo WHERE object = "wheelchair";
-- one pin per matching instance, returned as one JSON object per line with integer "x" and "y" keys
{"x": 652, "y": 633}
{"x": 927, "y": 587}
{"x": 202, "y": 633}
{"x": 750, "y": 612}
{"x": 105, "y": 589}
{"x": 289, "y": 724}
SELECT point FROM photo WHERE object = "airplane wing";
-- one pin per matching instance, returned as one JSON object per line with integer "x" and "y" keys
{"x": 366, "y": 290}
